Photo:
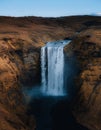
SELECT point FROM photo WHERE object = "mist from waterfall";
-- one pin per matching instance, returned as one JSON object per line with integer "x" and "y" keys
{"x": 52, "y": 68}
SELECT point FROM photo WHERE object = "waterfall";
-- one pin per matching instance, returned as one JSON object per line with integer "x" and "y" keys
{"x": 52, "y": 68}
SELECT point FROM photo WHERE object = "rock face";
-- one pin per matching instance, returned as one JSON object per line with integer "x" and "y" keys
{"x": 20, "y": 42}
{"x": 86, "y": 46}
{"x": 87, "y": 106}
{"x": 16, "y": 61}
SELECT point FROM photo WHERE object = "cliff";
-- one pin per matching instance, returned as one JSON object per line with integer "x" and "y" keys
{"x": 86, "y": 46}
{"x": 20, "y": 42}
{"x": 87, "y": 106}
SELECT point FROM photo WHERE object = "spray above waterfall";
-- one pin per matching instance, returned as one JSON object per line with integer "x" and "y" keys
{"x": 52, "y": 68}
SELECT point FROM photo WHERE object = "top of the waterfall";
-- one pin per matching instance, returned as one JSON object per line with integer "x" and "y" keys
{"x": 59, "y": 43}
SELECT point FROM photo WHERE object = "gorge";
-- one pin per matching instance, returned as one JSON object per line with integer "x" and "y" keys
{"x": 21, "y": 40}
{"x": 51, "y": 101}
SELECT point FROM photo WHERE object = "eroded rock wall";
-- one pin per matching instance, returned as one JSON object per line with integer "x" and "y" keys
{"x": 18, "y": 66}
{"x": 87, "y": 106}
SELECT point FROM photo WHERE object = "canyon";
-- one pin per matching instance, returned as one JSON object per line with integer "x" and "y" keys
{"x": 21, "y": 39}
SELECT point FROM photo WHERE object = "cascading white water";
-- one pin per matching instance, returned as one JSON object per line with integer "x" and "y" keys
{"x": 52, "y": 67}
{"x": 43, "y": 67}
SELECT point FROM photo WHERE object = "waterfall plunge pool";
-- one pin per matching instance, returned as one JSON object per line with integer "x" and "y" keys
{"x": 50, "y": 103}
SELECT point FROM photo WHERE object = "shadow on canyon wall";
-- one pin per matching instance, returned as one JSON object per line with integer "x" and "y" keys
{"x": 63, "y": 119}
